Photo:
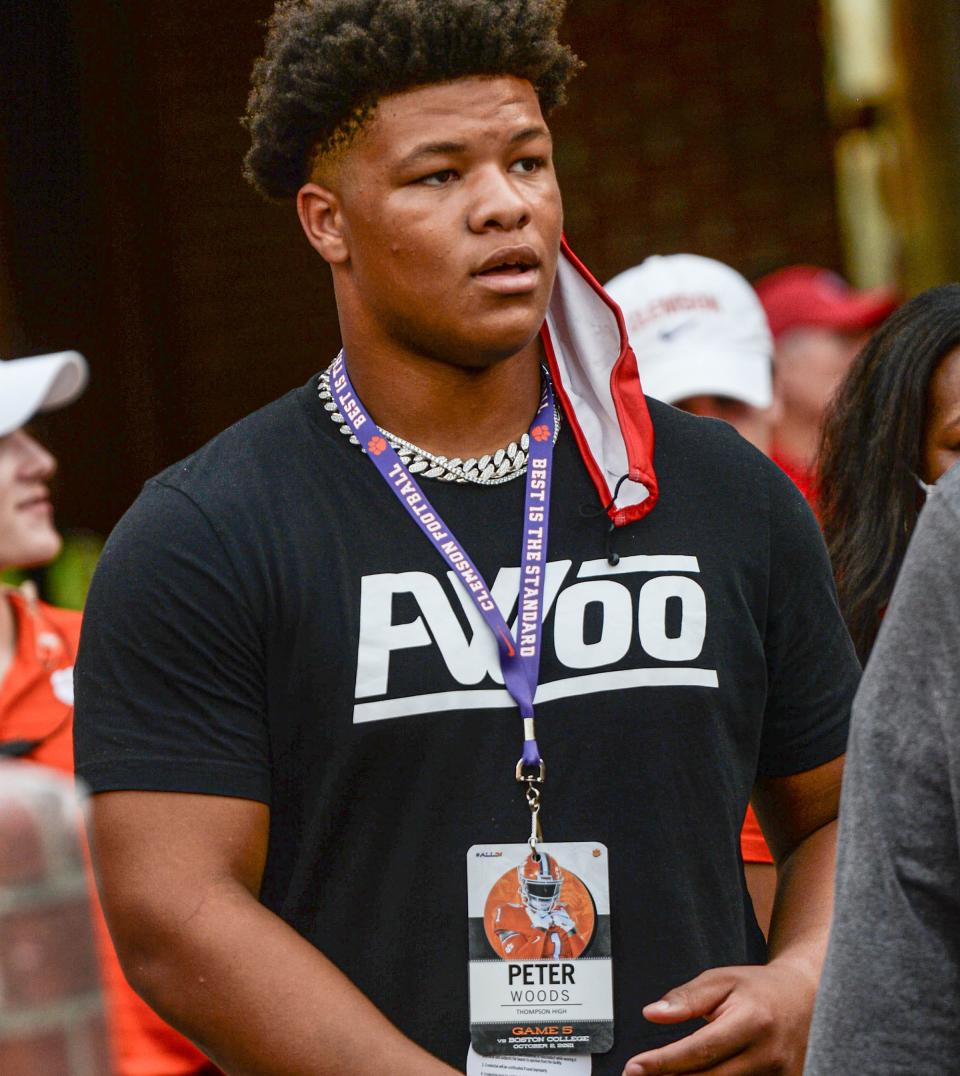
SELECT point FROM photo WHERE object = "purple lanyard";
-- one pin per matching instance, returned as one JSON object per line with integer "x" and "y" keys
{"x": 520, "y": 657}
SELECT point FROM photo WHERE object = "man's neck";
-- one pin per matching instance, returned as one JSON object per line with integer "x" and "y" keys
{"x": 8, "y": 634}
{"x": 797, "y": 443}
{"x": 448, "y": 410}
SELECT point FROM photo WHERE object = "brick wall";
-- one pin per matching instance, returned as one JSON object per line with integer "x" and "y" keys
{"x": 131, "y": 234}
{"x": 51, "y": 1005}
{"x": 698, "y": 127}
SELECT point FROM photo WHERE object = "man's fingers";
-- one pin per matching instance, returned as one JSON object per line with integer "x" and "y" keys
{"x": 738, "y": 1065}
{"x": 700, "y": 1052}
{"x": 745, "y": 1035}
{"x": 699, "y": 997}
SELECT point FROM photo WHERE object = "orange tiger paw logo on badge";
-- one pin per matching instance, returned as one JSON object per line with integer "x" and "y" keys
{"x": 540, "y": 433}
{"x": 376, "y": 445}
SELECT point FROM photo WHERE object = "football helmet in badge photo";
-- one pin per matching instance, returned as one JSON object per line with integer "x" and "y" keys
{"x": 538, "y": 910}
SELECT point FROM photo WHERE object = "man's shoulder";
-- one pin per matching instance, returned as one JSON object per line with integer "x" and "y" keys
{"x": 231, "y": 485}
{"x": 713, "y": 448}
{"x": 674, "y": 425}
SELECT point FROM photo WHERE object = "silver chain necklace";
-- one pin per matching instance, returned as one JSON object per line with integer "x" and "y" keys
{"x": 489, "y": 470}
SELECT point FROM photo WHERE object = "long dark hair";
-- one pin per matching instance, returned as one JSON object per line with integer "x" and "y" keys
{"x": 870, "y": 455}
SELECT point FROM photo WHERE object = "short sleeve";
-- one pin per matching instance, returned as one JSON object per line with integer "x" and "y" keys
{"x": 170, "y": 672}
{"x": 812, "y": 668}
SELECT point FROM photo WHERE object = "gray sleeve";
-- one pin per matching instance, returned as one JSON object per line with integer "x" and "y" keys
{"x": 889, "y": 1001}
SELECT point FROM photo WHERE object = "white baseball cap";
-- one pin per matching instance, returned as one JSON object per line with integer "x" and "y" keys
{"x": 697, "y": 329}
{"x": 41, "y": 383}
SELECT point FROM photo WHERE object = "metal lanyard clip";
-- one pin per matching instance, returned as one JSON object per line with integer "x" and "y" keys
{"x": 533, "y": 777}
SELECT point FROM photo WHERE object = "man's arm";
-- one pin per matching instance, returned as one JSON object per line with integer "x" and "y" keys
{"x": 759, "y": 1016}
{"x": 179, "y": 876}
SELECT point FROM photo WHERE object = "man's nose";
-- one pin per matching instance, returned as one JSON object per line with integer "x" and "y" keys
{"x": 498, "y": 204}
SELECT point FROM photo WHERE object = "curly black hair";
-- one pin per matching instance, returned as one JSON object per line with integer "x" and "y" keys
{"x": 328, "y": 62}
{"x": 871, "y": 454}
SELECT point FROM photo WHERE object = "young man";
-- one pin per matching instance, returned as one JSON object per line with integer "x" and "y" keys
{"x": 300, "y": 717}
{"x": 819, "y": 323}
{"x": 38, "y": 645}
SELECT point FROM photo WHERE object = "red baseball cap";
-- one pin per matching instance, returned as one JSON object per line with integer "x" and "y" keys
{"x": 808, "y": 295}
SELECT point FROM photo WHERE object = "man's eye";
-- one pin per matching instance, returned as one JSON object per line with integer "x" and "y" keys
{"x": 439, "y": 179}
{"x": 528, "y": 165}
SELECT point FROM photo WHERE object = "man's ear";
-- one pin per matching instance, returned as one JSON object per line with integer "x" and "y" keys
{"x": 321, "y": 218}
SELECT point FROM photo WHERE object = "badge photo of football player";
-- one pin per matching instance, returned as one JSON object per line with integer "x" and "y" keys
{"x": 541, "y": 927}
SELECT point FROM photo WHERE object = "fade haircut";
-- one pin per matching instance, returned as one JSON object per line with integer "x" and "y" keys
{"x": 327, "y": 63}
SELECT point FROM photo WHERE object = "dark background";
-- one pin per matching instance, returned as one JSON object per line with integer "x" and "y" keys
{"x": 128, "y": 232}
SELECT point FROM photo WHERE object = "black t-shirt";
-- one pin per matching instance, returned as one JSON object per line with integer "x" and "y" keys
{"x": 267, "y": 622}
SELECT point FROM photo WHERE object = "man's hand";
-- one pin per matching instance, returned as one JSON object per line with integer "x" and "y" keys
{"x": 758, "y": 1019}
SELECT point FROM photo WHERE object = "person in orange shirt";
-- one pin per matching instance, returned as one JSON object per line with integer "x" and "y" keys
{"x": 38, "y": 643}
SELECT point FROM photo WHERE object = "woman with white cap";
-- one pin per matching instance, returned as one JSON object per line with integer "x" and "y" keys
{"x": 38, "y": 644}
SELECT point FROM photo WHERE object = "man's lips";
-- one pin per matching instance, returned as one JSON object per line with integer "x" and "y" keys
{"x": 510, "y": 270}
{"x": 509, "y": 261}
